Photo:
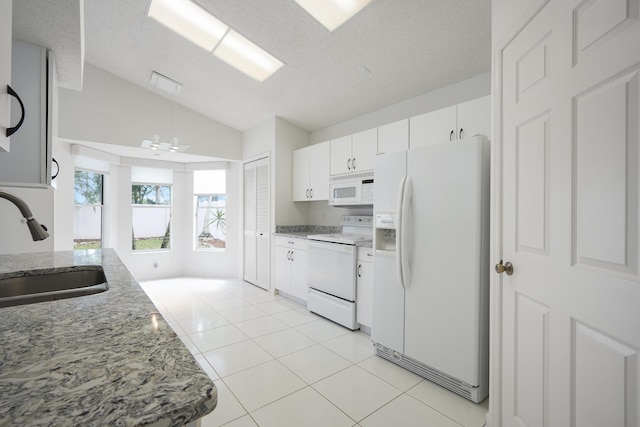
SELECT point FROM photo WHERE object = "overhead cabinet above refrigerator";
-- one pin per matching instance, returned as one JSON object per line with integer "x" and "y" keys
{"x": 431, "y": 275}
{"x": 28, "y": 160}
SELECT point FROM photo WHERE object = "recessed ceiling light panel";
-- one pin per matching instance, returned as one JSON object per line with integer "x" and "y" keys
{"x": 333, "y": 13}
{"x": 247, "y": 57}
{"x": 190, "y": 21}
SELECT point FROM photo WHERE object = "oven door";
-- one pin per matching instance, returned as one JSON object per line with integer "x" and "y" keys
{"x": 332, "y": 269}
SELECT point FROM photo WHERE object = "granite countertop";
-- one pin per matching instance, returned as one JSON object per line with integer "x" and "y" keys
{"x": 103, "y": 359}
{"x": 294, "y": 234}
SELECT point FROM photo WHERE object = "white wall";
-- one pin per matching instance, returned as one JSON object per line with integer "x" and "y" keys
{"x": 114, "y": 111}
{"x": 14, "y": 233}
{"x": 63, "y": 196}
{"x": 288, "y": 138}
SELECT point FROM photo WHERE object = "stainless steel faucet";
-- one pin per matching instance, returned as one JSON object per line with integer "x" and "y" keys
{"x": 38, "y": 231}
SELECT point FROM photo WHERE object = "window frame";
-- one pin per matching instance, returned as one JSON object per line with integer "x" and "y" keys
{"x": 101, "y": 205}
{"x": 152, "y": 206}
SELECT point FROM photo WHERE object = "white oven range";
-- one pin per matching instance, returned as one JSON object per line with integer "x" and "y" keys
{"x": 332, "y": 270}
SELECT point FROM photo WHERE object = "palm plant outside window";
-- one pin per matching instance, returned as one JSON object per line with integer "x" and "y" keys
{"x": 210, "y": 209}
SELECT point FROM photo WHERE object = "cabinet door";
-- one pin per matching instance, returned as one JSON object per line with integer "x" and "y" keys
{"x": 393, "y": 137}
{"x": 364, "y": 299}
{"x": 301, "y": 175}
{"x": 299, "y": 274}
{"x": 29, "y": 161}
{"x": 5, "y": 72}
{"x": 341, "y": 155}
{"x": 319, "y": 171}
{"x": 364, "y": 146}
{"x": 283, "y": 269}
{"x": 432, "y": 128}
{"x": 474, "y": 117}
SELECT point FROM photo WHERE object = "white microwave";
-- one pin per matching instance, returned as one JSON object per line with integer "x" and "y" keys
{"x": 351, "y": 190}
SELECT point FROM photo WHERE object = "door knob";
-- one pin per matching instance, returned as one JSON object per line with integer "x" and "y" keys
{"x": 506, "y": 268}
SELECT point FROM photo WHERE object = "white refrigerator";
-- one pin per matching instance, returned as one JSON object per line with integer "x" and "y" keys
{"x": 430, "y": 294}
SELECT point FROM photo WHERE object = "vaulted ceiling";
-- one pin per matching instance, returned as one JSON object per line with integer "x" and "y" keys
{"x": 391, "y": 51}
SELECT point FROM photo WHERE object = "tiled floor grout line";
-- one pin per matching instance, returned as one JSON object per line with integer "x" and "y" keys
{"x": 252, "y": 297}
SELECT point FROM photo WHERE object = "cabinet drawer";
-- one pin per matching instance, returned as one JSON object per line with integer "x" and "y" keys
{"x": 365, "y": 254}
{"x": 292, "y": 242}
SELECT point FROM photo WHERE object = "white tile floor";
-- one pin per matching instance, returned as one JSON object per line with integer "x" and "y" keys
{"x": 276, "y": 364}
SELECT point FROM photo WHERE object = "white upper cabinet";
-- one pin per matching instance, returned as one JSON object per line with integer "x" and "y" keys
{"x": 5, "y": 72}
{"x": 341, "y": 155}
{"x": 474, "y": 117}
{"x": 354, "y": 153}
{"x": 393, "y": 137}
{"x": 450, "y": 123}
{"x": 364, "y": 147}
{"x": 311, "y": 173}
{"x": 432, "y": 128}
{"x": 28, "y": 163}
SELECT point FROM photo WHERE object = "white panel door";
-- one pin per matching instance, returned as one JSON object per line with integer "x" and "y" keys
{"x": 568, "y": 125}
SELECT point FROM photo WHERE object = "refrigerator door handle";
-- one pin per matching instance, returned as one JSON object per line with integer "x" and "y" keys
{"x": 406, "y": 232}
{"x": 399, "y": 227}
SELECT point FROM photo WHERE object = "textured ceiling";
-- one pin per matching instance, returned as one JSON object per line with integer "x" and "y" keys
{"x": 410, "y": 47}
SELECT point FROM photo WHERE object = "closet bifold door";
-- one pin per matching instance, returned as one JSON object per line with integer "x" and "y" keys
{"x": 263, "y": 237}
{"x": 256, "y": 223}
{"x": 249, "y": 222}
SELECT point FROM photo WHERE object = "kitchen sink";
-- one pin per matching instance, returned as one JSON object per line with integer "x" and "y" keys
{"x": 30, "y": 286}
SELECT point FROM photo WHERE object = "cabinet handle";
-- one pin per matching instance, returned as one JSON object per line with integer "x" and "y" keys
{"x": 311, "y": 193}
{"x": 292, "y": 243}
{"x": 460, "y": 135}
{"x": 292, "y": 255}
{"x": 307, "y": 193}
{"x": 369, "y": 254}
{"x": 289, "y": 255}
{"x": 359, "y": 270}
{"x": 12, "y": 130}
{"x": 353, "y": 163}
{"x": 451, "y": 135}
{"x": 349, "y": 164}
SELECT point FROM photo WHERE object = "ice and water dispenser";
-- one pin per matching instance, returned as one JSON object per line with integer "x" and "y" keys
{"x": 385, "y": 238}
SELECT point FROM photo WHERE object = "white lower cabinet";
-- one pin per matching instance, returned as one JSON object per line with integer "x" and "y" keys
{"x": 291, "y": 263}
{"x": 364, "y": 283}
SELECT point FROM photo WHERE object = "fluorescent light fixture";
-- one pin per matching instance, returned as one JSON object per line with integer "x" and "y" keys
{"x": 246, "y": 56}
{"x": 333, "y": 13}
{"x": 190, "y": 21}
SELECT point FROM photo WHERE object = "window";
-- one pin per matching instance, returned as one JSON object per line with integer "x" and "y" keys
{"x": 151, "y": 206}
{"x": 210, "y": 205}
{"x": 88, "y": 198}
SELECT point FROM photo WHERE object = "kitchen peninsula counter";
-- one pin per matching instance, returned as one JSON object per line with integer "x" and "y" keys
{"x": 103, "y": 359}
